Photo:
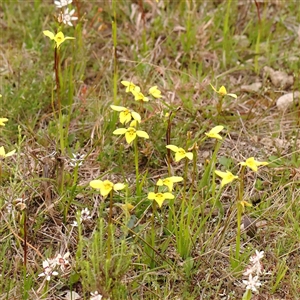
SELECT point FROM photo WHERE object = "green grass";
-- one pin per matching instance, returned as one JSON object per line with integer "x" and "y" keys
{"x": 190, "y": 248}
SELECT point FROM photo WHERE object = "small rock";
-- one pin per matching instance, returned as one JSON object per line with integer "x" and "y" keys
{"x": 279, "y": 79}
{"x": 252, "y": 88}
{"x": 286, "y": 101}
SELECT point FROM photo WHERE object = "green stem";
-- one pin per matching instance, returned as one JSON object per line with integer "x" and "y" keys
{"x": 110, "y": 225}
{"x": 136, "y": 162}
{"x": 185, "y": 178}
{"x": 239, "y": 213}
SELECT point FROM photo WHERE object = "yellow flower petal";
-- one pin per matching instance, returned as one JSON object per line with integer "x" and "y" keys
{"x": 136, "y": 116}
{"x": 119, "y": 186}
{"x": 2, "y": 121}
{"x": 232, "y": 95}
{"x": 151, "y": 196}
{"x": 125, "y": 116}
{"x": 118, "y": 108}
{"x": 3, "y": 154}
{"x": 130, "y": 135}
{"x": 214, "y": 132}
{"x": 227, "y": 177}
{"x": 96, "y": 184}
{"x": 179, "y": 155}
{"x": 189, "y": 155}
{"x": 142, "y": 134}
{"x": 10, "y": 153}
{"x": 172, "y": 147}
{"x": 120, "y": 131}
{"x": 222, "y": 91}
{"x": 49, "y": 34}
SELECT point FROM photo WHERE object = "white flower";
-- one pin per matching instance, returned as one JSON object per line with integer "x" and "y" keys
{"x": 67, "y": 17}
{"x": 76, "y": 160}
{"x": 75, "y": 224}
{"x": 62, "y": 3}
{"x": 96, "y": 296}
{"x": 85, "y": 215}
{"x": 62, "y": 260}
{"x": 257, "y": 257}
{"x": 252, "y": 283}
{"x": 48, "y": 270}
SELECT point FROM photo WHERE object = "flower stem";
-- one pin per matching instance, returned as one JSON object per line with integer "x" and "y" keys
{"x": 110, "y": 225}
{"x": 239, "y": 213}
{"x": 136, "y": 162}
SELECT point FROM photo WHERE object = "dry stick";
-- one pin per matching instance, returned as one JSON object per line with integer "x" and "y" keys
{"x": 258, "y": 12}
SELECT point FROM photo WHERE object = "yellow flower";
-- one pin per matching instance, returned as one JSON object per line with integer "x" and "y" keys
{"x": 131, "y": 133}
{"x": 160, "y": 197}
{"x": 214, "y": 133}
{"x": 155, "y": 92}
{"x": 169, "y": 181}
{"x": 130, "y": 86}
{"x": 222, "y": 91}
{"x": 59, "y": 38}
{"x": 180, "y": 153}
{"x": 3, "y": 154}
{"x": 126, "y": 114}
{"x": 2, "y": 120}
{"x": 138, "y": 95}
{"x": 244, "y": 203}
{"x": 106, "y": 186}
{"x": 253, "y": 164}
{"x": 227, "y": 177}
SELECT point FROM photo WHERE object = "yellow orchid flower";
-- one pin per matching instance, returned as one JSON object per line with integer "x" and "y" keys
{"x": 223, "y": 92}
{"x": 3, "y": 154}
{"x": 126, "y": 114}
{"x": 2, "y": 121}
{"x": 180, "y": 153}
{"x": 214, "y": 133}
{"x": 131, "y": 133}
{"x": 160, "y": 197}
{"x": 59, "y": 38}
{"x": 155, "y": 92}
{"x": 169, "y": 181}
{"x": 106, "y": 186}
{"x": 138, "y": 95}
{"x": 227, "y": 177}
{"x": 253, "y": 164}
{"x": 130, "y": 86}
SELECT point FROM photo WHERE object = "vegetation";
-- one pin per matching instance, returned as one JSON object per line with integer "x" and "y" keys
{"x": 142, "y": 153}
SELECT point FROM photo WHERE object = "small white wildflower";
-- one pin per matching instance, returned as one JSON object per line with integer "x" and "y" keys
{"x": 85, "y": 215}
{"x": 257, "y": 257}
{"x": 252, "y": 283}
{"x": 77, "y": 159}
{"x": 62, "y": 3}
{"x": 74, "y": 224}
{"x": 62, "y": 261}
{"x": 67, "y": 17}
{"x": 48, "y": 270}
{"x": 96, "y": 296}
